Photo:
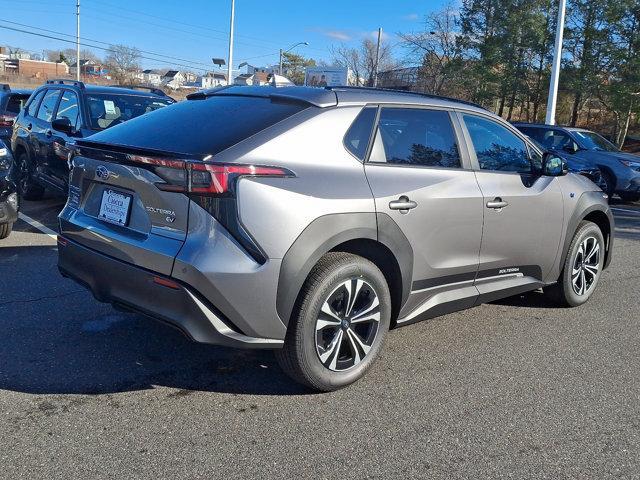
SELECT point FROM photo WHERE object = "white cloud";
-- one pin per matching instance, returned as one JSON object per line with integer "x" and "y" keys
{"x": 412, "y": 17}
{"x": 337, "y": 35}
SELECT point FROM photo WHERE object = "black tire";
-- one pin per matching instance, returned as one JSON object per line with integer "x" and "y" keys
{"x": 330, "y": 283}
{"x": 5, "y": 229}
{"x": 630, "y": 197}
{"x": 565, "y": 293}
{"x": 608, "y": 184}
{"x": 27, "y": 186}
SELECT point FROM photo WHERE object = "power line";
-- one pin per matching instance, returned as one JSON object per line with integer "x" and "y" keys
{"x": 104, "y": 43}
{"x": 94, "y": 46}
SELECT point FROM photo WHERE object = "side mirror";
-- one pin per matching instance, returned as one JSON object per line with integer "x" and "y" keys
{"x": 554, "y": 166}
{"x": 63, "y": 125}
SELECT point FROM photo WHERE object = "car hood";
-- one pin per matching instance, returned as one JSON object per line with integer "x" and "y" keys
{"x": 594, "y": 155}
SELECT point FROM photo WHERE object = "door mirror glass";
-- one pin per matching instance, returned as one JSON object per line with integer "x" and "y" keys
{"x": 554, "y": 166}
{"x": 63, "y": 125}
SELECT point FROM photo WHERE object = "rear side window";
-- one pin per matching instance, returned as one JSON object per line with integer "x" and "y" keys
{"x": 416, "y": 136}
{"x": 107, "y": 110}
{"x": 33, "y": 105}
{"x": 357, "y": 138}
{"x": 200, "y": 127}
{"x": 48, "y": 105}
{"x": 16, "y": 102}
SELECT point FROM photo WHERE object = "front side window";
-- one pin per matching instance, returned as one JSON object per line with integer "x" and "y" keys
{"x": 48, "y": 105}
{"x": 415, "y": 136}
{"x": 357, "y": 138}
{"x": 68, "y": 108}
{"x": 496, "y": 147}
{"x": 33, "y": 105}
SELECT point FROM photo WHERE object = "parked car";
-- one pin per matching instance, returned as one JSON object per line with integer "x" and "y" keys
{"x": 311, "y": 220}
{"x": 620, "y": 171}
{"x": 11, "y": 102}
{"x": 578, "y": 166}
{"x": 8, "y": 192}
{"x": 60, "y": 112}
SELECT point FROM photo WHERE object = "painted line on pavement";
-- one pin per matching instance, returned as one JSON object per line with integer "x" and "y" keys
{"x": 626, "y": 210}
{"x": 37, "y": 225}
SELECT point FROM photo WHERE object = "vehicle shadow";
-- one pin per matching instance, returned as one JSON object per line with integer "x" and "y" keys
{"x": 56, "y": 339}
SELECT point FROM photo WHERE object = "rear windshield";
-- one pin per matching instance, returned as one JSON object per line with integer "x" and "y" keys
{"x": 201, "y": 127}
{"x": 107, "y": 110}
{"x": 16, "y": 102}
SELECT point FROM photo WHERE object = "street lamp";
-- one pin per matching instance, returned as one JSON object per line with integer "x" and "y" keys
{"x": 288, "y": 50}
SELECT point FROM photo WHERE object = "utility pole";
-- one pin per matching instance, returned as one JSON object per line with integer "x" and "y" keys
{"x": 375, "y": 72}
{"x": 78, "y": 40}
{"x": 230, "y": 65}
{"x": 280, "y": 69}
{"x": 555, "y": 69}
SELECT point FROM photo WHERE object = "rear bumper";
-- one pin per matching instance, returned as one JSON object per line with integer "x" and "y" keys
{"x": 136, "y": 289}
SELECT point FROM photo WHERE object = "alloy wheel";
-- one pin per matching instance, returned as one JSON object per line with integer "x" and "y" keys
{"x": 347, "y": 324}
{"x": 586, "y": 266}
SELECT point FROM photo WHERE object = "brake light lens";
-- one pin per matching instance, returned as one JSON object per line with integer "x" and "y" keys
{"x": 208, "y": 179}
{"x": 7, "y": 120}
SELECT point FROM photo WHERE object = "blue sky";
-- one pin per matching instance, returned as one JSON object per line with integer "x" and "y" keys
{"x": 196, "y": 30}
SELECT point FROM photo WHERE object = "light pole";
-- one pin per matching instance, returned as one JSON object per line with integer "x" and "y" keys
{"x": 555, "y": 69}
{"x": 230, "y": 65}
{"x": 288, "y": 50}
{"x": 78, "y": 40}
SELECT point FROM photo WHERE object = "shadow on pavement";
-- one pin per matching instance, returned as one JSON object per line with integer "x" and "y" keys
{"x": 56, "y": 339}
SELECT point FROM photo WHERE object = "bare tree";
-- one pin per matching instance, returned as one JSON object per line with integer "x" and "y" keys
{"x": 362, "y": 61}
{"x": 436, "y": 49}
{"x": 122, "y": 62}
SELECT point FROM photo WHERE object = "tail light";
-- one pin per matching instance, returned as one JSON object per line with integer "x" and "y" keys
{"x": 6, "y": 120}
{"x": 212, "y": 186}
{"x": 201, "y": 178}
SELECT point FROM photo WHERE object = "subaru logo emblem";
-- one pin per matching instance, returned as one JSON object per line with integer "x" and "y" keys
{"x": 102, "y": 172}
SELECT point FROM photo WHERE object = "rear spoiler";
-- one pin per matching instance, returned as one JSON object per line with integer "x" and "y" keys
{"x": 316, "y": 97}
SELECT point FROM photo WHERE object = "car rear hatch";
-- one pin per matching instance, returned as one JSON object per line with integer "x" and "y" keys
{"x": 115, "y": 207}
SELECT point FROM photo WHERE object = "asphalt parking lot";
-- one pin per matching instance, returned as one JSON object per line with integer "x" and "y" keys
{"x": 515, "y": 389}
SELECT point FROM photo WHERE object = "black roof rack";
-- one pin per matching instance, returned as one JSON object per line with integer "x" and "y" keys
{"x": 65, "y": 81}
{"x": 407, "y": 92}
{"x": 150, "y": 88}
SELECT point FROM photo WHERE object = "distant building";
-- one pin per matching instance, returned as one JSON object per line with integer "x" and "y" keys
{"x": 258, "y": 78}
{"x": 173, "y": 79}
{"x": 35, "y": 68}
{"x": 151, "y": 77}
{"x": 89, "y": 68}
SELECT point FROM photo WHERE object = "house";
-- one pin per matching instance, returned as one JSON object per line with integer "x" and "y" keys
{"x": 151, "y": 77}
{"x": 173, "y": 79}
{"x": 258, "y": 78}
{"x": 89, "y": 68}
{"x": 211, "y": 80}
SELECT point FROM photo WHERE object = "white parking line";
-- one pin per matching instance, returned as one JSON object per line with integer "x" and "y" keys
{"x": 37, "y": 225}
{"x": 626, "y": 210}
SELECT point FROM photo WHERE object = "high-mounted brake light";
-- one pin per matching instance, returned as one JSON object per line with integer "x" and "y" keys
{"x": 203, "y": 178}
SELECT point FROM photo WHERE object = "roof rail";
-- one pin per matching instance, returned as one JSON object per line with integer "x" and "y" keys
{"x": 408, "y": 92}
{"x": 65, "y": 81}
{"x": 150, "y": 88}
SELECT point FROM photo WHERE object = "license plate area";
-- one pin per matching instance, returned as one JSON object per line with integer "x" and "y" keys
{"x": 115, "y": 207}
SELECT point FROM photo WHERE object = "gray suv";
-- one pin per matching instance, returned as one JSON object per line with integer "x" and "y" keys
{"x": 310, "y": 221}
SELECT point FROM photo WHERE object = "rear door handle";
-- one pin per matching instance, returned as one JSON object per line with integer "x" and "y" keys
{"x": 403, "y": 204}
{"x": 29, "y": 127}
{"x": 497, "y": 203}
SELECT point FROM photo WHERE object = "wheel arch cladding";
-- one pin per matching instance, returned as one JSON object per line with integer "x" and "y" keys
{"x": 592, "y": 207}
{"x": 351, "y": 232}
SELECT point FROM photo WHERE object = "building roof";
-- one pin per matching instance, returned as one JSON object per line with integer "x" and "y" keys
{"x": 171, "y": 73}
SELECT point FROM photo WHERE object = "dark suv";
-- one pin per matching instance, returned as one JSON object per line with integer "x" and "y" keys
{"x": 11, "y": 102}
{"x": 620, "y": 171}
{"x": 310, "y": 220}
{"x": 62, "y": 111}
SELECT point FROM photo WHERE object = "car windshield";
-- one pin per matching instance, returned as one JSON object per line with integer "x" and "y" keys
{"x": 107, "y": 110}
{"x": 593, "y": 141}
